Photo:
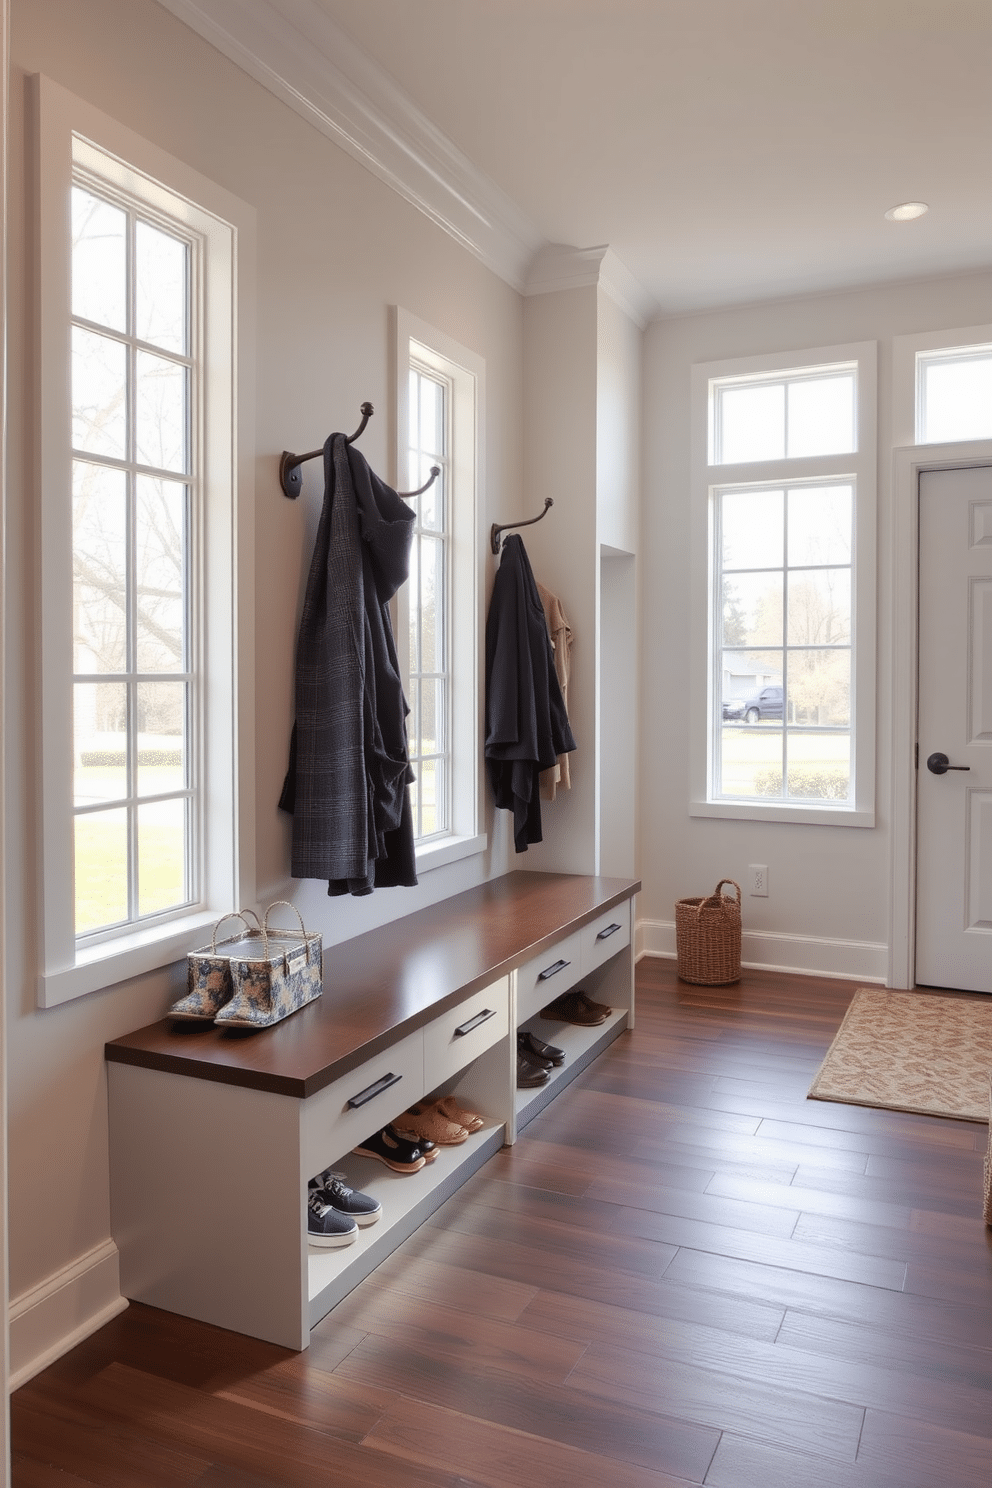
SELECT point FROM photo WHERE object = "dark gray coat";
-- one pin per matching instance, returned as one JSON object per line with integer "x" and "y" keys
{"x": 527, "y": 726}
{"x": 349, "y": 770}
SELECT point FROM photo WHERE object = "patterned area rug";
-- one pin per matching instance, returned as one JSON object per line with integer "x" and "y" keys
{"x": 911, "y": 1052}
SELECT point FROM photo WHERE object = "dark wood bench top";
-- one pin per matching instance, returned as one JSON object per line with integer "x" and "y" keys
{"x": 384, "y": 984}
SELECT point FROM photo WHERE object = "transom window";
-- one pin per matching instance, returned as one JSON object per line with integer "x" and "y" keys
{"x": 133, "y": 485}
{"x": 812, "y": 411}
{"x": 954, "y": 394}
{"x": 429, "y": 668}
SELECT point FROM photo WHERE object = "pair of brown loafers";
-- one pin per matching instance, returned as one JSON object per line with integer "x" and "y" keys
{"x": 576, "y": 1007}
{"x": 443, "y": 1122}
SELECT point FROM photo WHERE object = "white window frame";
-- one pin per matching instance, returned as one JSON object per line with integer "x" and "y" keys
{"x": 464, "y": 372}
{"x": 707, "y": 478}
{"x": 906, "y": 352}
{"x": 68, "y": 132}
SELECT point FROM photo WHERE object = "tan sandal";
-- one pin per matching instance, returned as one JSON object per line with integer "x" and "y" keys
{"x": 450, "y": 1108}
{"x": 427, "y": 1121}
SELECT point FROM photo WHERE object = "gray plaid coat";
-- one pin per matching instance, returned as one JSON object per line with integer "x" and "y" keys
{"x": 348, "y": 769}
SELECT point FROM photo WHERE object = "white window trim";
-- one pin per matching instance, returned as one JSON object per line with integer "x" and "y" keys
{"x": 905, "y": 350}
{"x": 705, "y": 477}
{"x": 414, "y": 337}
{"x": 66, "y": 128}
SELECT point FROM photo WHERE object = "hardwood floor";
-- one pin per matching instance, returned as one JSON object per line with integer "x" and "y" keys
{"x": 684, "y": 1272}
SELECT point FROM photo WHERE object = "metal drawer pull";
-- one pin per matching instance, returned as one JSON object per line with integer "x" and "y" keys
{"x": 483, "y": 1017}
{"x": 610, "y": 930}
{"x": 371, "y": 1091}
{"x": 551, "y": 971}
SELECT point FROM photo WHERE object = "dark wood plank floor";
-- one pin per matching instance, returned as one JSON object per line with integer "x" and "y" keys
{"x": 684, "y": 1272}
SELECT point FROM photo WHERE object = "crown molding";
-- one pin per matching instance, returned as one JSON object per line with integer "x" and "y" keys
{"x": 295, "y": 50}
{"x": 298, "y": 53}
{"x": 556, "y": 266}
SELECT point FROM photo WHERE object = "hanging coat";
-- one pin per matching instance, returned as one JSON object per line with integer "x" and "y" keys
{"x": 561, "y": 644}
{"x": 348, "y": 768}
{"x": 527, "y": 727}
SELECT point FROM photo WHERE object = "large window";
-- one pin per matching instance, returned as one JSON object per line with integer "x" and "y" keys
{"x": 428, "y": 672}
{"x": 136, "y": 715}
{"x": 144, "y": 570}
{"x": 787, "y": 487}
{"x": 440, "y": 389}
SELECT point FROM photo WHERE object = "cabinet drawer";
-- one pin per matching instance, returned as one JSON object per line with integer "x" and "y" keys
{"x": 605, "y": 936}
{"x": 547, "y": 976}
{"x": 466, "y": 1031}
{"x": 361, "y": 1102}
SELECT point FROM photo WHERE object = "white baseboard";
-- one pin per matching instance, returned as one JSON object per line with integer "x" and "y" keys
{"x": 62, "y": 1310}
{"x": 766, "y": 950}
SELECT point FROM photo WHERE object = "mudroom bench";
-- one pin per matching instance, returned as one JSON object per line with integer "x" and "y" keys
{"x": 214, "y": 1134}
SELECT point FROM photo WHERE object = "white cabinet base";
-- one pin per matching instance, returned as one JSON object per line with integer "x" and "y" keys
{"x": 210, "y": 1165}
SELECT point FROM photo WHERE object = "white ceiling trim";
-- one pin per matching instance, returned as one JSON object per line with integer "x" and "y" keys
{"x": 298, "y": 53}
{"x": 557, "y": 266}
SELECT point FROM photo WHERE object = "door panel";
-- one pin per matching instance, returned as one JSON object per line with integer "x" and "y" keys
{"x": 979, "y": 659}
{"x": 978, "y": 891}
{"x": 954, "y": 809}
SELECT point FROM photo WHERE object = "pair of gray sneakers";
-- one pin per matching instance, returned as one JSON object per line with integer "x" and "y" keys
{"x": 334, "y": 1211}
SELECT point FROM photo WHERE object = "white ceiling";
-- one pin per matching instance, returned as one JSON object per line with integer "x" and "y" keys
{"x": 726, "y": 150}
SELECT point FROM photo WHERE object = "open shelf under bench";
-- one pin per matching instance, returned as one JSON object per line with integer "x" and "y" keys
{"x": 214, "y": 1134}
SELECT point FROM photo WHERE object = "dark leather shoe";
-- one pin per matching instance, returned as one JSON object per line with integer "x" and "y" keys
{"x": 428, "y": 1150}
{"x": 572, "y": 1008}
{"x": 535, "y": 1048}
{"x": 596, "y": 1007}
{"x": 525, "y": 1052}
{"x": 395, "y": 1151}
{"x": 531, "y": 1074}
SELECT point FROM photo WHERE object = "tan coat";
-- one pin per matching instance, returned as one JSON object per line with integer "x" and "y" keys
{"x": 561, "y": 640}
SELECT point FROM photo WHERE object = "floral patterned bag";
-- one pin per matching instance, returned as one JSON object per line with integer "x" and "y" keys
{"x": 208, "y": 972}
{"x": 275, "y": 979}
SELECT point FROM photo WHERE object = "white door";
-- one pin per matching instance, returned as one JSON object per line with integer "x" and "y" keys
{"x": 954, "y": 800}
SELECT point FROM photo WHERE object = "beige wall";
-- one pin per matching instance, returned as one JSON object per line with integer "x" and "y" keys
{"x": 827, "y": 884}
{"x": 336, "y": 248}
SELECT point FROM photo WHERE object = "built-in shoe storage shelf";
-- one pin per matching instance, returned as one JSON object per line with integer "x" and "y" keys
{"x": 214, "y": 1135}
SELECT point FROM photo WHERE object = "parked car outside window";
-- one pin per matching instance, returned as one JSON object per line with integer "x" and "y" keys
{"x": 764, "y": 704}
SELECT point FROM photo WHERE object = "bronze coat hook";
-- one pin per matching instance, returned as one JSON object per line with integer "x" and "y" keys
{"x": 496, "y": 529}
{"x": 291, "y": 476}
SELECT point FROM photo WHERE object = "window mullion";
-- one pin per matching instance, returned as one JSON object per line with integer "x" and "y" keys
{"x": 786, "y": 581}
{"x": 131, "y": 712}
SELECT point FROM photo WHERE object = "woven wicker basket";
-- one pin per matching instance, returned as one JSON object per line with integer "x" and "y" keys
{"x": 708, "y": 937}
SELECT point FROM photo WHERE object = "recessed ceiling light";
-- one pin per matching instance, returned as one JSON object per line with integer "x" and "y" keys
{"x": 906, "y": 211}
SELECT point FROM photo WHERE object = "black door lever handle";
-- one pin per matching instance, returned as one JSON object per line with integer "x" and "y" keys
{"x": 939, "y": 764}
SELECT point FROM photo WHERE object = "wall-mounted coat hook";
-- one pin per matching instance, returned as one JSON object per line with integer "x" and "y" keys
{"x": 291, "y": 476}
{"x": 435, "y": 472}
{"x": 496, "y": 529}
